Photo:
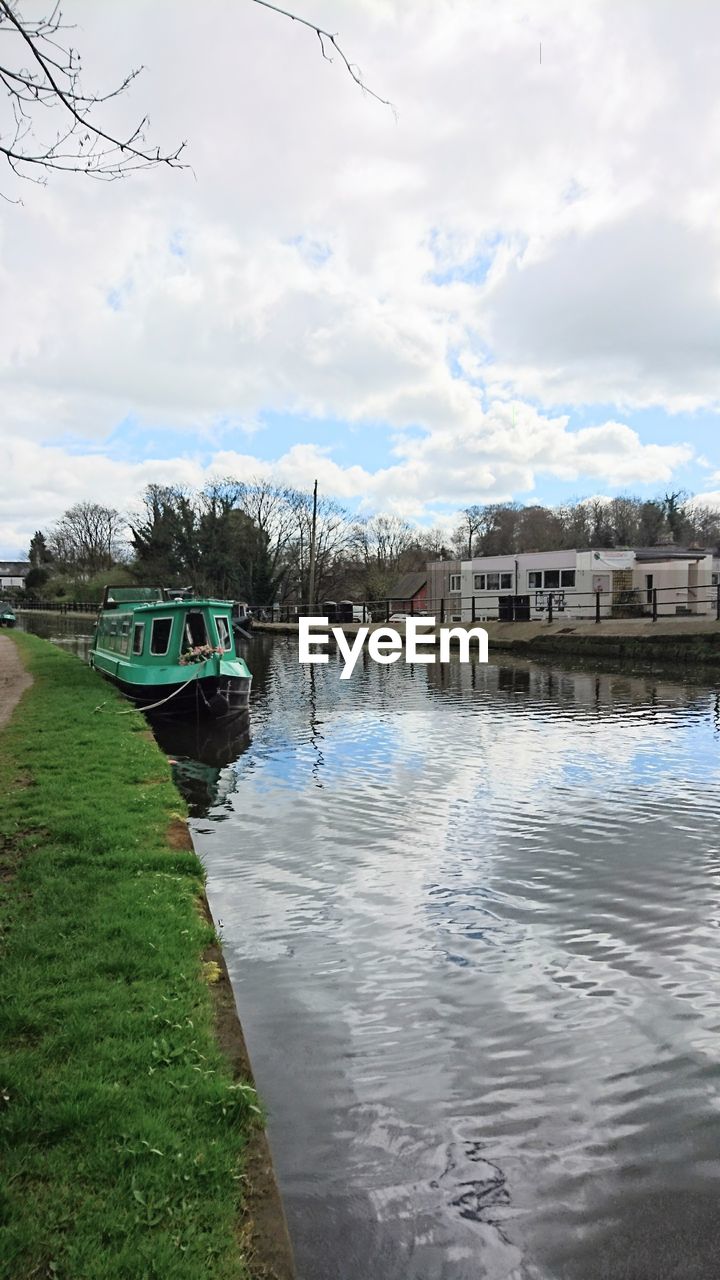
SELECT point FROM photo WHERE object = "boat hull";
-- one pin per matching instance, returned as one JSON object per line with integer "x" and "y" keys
{"x": 212, "y": 696}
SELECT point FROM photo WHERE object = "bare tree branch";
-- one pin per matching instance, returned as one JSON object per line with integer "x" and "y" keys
{"x": 50, "y": 83}
{"x": 351, "y": 68}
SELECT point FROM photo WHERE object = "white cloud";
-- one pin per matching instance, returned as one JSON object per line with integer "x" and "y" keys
{"x": 567, "y": 205}
{"x": 498, "y": 456}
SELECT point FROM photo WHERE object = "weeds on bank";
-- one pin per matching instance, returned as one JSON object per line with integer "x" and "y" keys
{"x": 121, "y": 1129}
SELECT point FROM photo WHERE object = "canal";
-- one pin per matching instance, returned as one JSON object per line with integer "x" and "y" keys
{"x": 472, "y": 919}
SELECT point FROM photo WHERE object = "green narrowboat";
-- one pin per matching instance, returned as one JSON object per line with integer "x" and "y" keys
{"x": 7, "y": 617}
{"x": 170, "y": 651}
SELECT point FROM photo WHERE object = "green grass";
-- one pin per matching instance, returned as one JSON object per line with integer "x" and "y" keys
{"x": 121, "y": 1129}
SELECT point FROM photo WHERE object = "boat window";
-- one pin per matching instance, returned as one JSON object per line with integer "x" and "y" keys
{"x": 112, "y": 639}
{"x": 195, "y": 631}
{"x": 223, "y": 631}
{"x": 138, "y": 637}
{"x": 125, "y": 635}
{"x": 161, "y": 630}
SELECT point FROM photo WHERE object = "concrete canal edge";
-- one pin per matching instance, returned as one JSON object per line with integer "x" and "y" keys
{"x": 667, "y": 641}
{"x": 259, "y": 1232}
{"x": 83, "y": 615}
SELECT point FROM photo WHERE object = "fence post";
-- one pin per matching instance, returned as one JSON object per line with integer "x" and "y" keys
{"x": 472, "y": 608}
{"x": 442, "y": 611}
{"x": 597, "y": 606}
{"x": 364, "y": 613}
{"x": 550, "y": 607}
{"x": 387, "y": 610}
{"x": 654, "y": 604}
{"x": 717, "y": 602}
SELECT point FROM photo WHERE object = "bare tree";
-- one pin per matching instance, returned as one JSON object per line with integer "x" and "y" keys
{"x": 87, "y": 539}
{"x": 52, "y": 122}
{"x": 475, "y": 521}
{"x": 269, "y": 506}
{"x": 332, "y": 538}
{"x": 328, "y": 40}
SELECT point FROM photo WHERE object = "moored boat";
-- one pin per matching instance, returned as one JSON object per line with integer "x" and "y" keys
{"x": 7, "y": 617}
{"x": 242, "y": 620}
{"x": 170, "y": 651}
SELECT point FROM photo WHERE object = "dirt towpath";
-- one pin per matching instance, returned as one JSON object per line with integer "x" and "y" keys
{"x": 14, "y": 679}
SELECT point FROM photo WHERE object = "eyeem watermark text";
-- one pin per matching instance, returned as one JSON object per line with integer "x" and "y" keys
{"x": 386, "y": 644}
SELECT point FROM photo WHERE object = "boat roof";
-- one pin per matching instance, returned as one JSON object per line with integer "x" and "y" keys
{"x": 156, "y": 597}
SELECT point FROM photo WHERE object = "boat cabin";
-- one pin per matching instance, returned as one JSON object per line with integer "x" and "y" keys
{"x": 159, "y": 626}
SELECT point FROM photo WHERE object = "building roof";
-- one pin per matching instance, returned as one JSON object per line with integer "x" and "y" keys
{"x": 669, "y": 551}
{"x": 408, "y": 586}
{"x": 14, "y": 568}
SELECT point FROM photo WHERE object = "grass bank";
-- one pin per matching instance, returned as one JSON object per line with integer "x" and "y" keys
{"x": 123, "y": 1132}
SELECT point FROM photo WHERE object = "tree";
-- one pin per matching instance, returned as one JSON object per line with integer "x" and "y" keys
{"x": 38, "y": 554}
{"x": 333, "y": 536}
{"x": 87, "y": 539}
{"x": 269, "y": 507}
{"x": 386, "y": 546}
{"x": 203, "y": 539}
{"x": 651, "y": 523}
{"x": 327, "y": 39}
{"x": 474, "y": 521}
{"x": 51, "y": 122}
{"x": 672, "y": 505}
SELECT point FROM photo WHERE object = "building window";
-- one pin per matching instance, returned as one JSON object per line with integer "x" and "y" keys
{"x": 161, "y": 630}
{"x": 138, "y": 637}
{"x": 567, "y": 577}
{"x": 455, "y": 582}
{"x": 648, "y": 588}
{"x": 479, "y": 581}
{"x": 223, "y": 631}
{"x": 552, "y": 577}
{"x": 535, "y": 579}
{"x": 506, "y": 581}
{"x": 493, "y": 582}
{"x": 714, "y": 579}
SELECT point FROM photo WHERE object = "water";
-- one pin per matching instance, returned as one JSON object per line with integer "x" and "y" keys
{"x": 70, "y": 632}
{"x": 471, "y": 917}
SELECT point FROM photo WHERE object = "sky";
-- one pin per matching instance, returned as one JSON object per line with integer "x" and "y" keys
{"x": 504, "y": 287}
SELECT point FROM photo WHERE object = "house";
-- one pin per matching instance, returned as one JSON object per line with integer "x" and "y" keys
{"x": 409, "y": 594}
{"x": 443, "y": 577}
{"x": 13, "y": 573}
{"x": 575, "y": 584}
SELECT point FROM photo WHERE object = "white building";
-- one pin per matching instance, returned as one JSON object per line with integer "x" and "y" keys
{"x": 577, "y": 584}
{"x": 13, "y": 573}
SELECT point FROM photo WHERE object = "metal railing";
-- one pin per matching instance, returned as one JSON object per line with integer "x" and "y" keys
{"x": 548, "y": 605}
{"x": 58, "y": 606}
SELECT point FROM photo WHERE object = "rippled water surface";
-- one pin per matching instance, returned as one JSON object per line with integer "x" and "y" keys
{"x": 472, "y": 922}
{"x": 471, "y": 917}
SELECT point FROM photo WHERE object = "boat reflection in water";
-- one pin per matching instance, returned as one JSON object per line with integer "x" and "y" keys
{"x": 201, "y": 754}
